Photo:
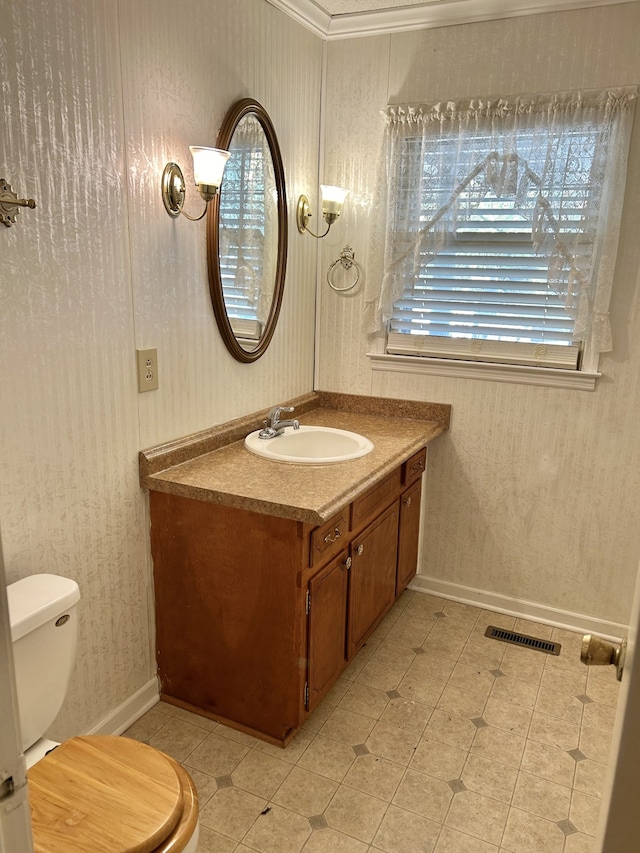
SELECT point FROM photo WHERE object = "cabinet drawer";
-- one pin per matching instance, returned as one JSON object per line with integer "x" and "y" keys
{"x": 329, "y": 539}
{"x": 414, "y": 467}
{"x": 366, "y": 507}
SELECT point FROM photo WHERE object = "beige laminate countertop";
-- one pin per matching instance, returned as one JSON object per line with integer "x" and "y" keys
{"x": 231, "y": 475}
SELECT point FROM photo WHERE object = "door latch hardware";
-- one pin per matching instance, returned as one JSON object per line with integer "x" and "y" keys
{"x": 598, "y": 652}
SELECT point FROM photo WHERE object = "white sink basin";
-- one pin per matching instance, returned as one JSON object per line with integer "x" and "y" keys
{"x": 310, "y": 445}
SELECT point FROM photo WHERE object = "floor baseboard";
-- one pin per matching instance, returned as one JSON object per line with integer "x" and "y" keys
{"x": 124, "y": 715}
{"x": 520, "y": 608}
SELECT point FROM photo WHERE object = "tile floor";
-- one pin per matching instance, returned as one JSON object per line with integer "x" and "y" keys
{"x": 434, "y": 740}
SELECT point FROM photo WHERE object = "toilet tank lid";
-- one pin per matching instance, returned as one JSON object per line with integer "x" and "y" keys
{"x": 38, "y": 598}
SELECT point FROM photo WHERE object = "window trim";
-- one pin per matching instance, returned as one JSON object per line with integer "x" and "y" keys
{"x": 483, "y": 349}
{"x": 583, "y": 379}
{"x": 551, "y": 377}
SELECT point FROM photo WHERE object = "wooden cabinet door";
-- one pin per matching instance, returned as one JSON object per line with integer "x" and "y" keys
{"x": 409, "y": 530}
{"x": 372, "y": 583}
{"x": 327, "y": 605}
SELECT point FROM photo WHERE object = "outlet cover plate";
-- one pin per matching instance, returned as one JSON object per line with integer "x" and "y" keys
{"x": 147, "y": 369}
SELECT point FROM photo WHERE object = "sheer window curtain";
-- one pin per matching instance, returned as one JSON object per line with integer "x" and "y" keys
{"x": 550, "y": 155}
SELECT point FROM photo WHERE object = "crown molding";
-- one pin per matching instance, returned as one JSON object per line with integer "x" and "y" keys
{"x": 306, "y": 12}
{"x": 443, "y": 13}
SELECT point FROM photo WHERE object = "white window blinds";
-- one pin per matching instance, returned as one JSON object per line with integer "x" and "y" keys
{"x": 485, "y": 301}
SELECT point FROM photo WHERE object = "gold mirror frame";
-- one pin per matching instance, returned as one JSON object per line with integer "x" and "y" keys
{"x": 242, "y": 108}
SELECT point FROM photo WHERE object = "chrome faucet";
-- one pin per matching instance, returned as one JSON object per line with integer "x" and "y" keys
{"x": 273, "y": 426}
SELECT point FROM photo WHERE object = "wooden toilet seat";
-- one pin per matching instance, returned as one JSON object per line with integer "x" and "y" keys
{"x": 110, "y": 795}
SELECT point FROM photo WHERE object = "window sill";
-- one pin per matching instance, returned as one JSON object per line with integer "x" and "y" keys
{"x": 521, "y": 374}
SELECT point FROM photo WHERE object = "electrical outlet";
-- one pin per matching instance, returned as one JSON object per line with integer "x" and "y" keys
{"x": 147, "y": 369}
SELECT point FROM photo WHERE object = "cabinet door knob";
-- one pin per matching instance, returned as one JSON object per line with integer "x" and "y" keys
{"x": 360, "y": 550}
{"x": 347, "y": 563}
{"x": 417, "y": 466}
{"x": 336, "y": 535}
{"x": 407, "y": 501}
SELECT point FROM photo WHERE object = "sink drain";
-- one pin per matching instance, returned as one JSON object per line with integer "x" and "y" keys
{"x": 516, "y": 639}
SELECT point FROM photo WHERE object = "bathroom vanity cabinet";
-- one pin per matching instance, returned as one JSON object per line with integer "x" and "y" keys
{"x": 257, "y": 615}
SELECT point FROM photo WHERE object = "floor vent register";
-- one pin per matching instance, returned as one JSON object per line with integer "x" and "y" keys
{"x": 535, "y": 643}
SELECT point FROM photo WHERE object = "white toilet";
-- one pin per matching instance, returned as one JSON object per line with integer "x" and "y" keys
{"x": 94, "y": 793}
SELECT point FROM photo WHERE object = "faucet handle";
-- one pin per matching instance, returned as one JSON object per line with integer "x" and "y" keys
{"x": 274, "y": 414}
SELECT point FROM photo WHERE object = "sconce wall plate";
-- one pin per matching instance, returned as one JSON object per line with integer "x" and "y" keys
{"x": 173, "y": 189}
{"x": 10, "y": 204}
{"x": 303, "y": 214}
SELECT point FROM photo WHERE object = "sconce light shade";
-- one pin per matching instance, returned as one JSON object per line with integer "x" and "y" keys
{"x": 332, "y": 202}
{"x": 208, "y": 168}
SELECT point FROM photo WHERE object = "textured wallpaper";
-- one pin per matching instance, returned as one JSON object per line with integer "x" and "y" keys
{"x": 178, "y": 84}
{"x": 96, "y": 97}
{"x": 533, "y": 494}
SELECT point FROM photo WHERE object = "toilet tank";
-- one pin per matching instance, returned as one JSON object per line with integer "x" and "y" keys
{"x": 44, "y": 627}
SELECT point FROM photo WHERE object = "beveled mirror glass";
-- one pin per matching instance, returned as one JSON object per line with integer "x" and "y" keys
{"x": 247, "y": 233}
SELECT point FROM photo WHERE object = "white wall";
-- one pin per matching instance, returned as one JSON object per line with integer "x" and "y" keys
{"x": 533, "y": 494}
{"x": 97, "y": 96}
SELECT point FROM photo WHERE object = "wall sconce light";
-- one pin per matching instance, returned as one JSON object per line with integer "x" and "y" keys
{"x": 332, "y": 201}
{"x": 10, "y": 204}
{"x": 208, "y": 166}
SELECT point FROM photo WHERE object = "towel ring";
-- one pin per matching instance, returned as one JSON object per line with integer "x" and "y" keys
{"x": 348, "y": 260}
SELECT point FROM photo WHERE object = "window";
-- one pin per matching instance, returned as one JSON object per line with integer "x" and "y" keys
{"x": 496, "y": 219}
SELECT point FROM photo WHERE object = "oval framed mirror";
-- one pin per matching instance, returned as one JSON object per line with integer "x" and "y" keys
{"x": 247, "y": 233}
